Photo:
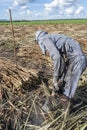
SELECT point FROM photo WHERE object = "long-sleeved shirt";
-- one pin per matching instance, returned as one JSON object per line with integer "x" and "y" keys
{"x": 57, "y": 46}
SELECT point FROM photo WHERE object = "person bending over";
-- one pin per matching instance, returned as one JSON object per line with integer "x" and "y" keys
{"x": 68, "y": 59}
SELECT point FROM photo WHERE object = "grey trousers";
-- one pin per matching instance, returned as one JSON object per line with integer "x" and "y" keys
{"x": 74, "y": 70}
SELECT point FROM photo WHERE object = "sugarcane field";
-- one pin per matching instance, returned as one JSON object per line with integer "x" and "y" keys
{"x": 26, "y": 80}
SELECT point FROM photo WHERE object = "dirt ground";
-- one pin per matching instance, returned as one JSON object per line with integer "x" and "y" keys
{"x": 28, "y": 53}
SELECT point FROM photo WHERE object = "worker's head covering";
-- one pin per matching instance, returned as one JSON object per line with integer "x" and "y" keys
{"x": 39, "y": 34}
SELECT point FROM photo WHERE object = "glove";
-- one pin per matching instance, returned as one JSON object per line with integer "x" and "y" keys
{"x": 55, "y": 85}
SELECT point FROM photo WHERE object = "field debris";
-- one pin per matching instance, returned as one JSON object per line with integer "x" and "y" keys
{"x": 24, "y": 84}
{"x": 13, "y": 75}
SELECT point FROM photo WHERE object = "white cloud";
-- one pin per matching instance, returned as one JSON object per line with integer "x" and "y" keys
{"x": 59, "y": 4}
{"x": 29, "y": 12}
{"x": 21, "y": 2}
{"x": 25, "y": 11}
{"x": 69, "y": 10}
{"x": 51, "y": 5}
{"x": 17, "y": 2}
{"x": 24, "y": 7}
{"x": 64, "y": 7}
{"x": 54, "y": 9}
{"x": 79, "y": 10}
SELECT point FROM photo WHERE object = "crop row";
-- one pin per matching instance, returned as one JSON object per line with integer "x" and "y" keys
{"x": 33, "y": 22}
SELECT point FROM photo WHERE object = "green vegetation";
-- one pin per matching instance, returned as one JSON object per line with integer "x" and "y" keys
{"x": 33, "y": 22}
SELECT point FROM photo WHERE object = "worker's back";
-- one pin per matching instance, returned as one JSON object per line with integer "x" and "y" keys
{"x": 65, "y": 44}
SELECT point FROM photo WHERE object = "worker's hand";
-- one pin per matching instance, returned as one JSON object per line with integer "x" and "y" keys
{"x": 55, "y": 86}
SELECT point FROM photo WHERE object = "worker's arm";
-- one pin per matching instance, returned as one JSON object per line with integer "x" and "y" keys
{"x": 55, "y": 55}
{"x": 42, "y": 47}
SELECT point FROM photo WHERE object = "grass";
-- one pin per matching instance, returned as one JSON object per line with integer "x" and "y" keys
{"x": 38, "y": 22}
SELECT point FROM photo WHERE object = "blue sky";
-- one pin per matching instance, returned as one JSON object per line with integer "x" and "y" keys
{"x": 43, "y": 9}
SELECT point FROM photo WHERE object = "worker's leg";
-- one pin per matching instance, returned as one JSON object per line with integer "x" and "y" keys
{"x": 72, "y": 77}
{"x": 71, "y": 84}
